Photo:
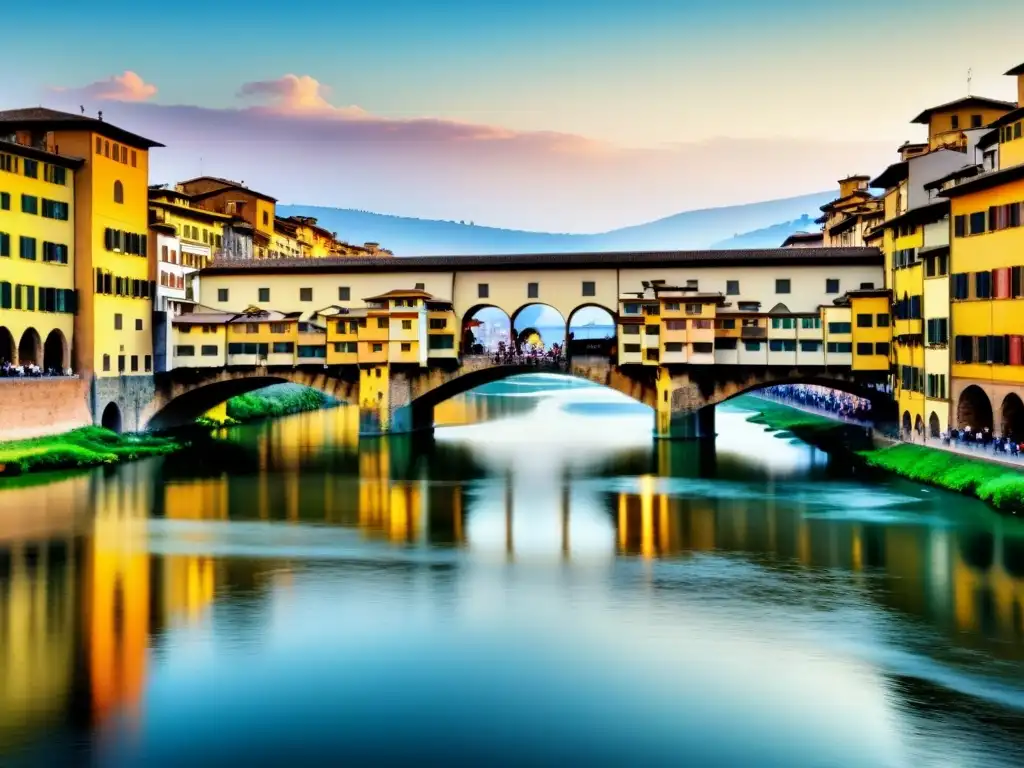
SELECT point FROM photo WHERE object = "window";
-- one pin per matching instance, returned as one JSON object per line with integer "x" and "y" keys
{"x": 782, "y": 345}
{"x": 782, "y": 322}
{"x": 882, "y": 348}
{"x": 138, "y": 324}
{"x": 483, "y": 291}
{"x": 5, "y": 244}
{"x": 694, "y": 309}
{"x": 118, "y": 321}
{"x": 832, "y": 285}
{"x": 954, "y": 122}
{"x": 672, "y": 306}
{"x": 632, "y": 330}
{"x": 344, "y": 293}
{"x": 882, "y": 319}
{"x": 840, "y": 347}
{"x": 183, "y": 351}
{"x": 133, "y": 158}
{"x": 652, "y": 330}
{"x": 407, "y": 325}
{"x": 53, "y": 209}
{"x": 727, "y": 324}
{"x": 222, "y": 294}
{"x": 5, "y": 201}
{"x": 726, "y": 343}
{"x": 99, "y": 151}
{"x": 31, "y": 168}
{"x": 782, "y": 286}
{"x": 975, "y": 121}
{"x": 382, "y": 322}
{"x": 863, "y": 321}
{"x": 810, "y": 322}
{"x": 135, "y": 363}
{"x": 118, "y": 192}
{"x": 532, "y": 290}
{"x": 266, "y": 219}
{"x": 437, "y": 323}
{"x": 406, "y": 346}
{"x": 673, "y": 346}
{"x": 305, "y": 294}
{"x": 631, "y": 309}
{"x": 976, "y": 222}
{"x": 441, "y": 341}
{"x": 752, "y": 346}
{"x": 106, "y": 358}
{"x": 810, "y": 346}
{"x": 30, "y": 204}
{"x": 937, "y": 330}
{"x": 27, "y": 248}
{"x": 589, "y": 289}
{"x": 631, "y": 349}
{"x": 732, "y": 287}
{"x": 377, "y": 347}
{"x": 865, "y": 348}
{"x": 839, "y": 328}
{"x": 282, "y": 347}
{"x": 264, "y": 294}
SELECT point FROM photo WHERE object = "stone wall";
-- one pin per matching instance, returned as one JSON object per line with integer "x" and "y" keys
{"x": 133, "y": 395}
{"x": 36, "y": 407}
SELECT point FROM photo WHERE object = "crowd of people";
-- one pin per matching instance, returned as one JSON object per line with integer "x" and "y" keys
{"x": 9, "y": 370}
{"x": 528, "y": 354}
{"x": 984, "y": 440}
{"x": 823, "y": 399}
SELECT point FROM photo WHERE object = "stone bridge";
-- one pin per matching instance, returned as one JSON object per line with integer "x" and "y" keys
{"x": 400, "y": 400}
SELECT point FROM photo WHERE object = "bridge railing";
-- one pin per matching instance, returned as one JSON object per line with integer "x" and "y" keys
{"x": 542, "y": 362}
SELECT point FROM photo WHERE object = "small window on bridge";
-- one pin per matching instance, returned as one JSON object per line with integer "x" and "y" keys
{"x": 264, "y": 295}
{"x": 832, "y": 285}
{"x": 344, "y": 293}
{"x": 185, "y": 351}
{"x": 406, "y": 346}
{"x": 589, "y": 288}
{"x": 732, "y": 287}
{"x": 631, "y": 330}
{"x": 782, "y": 286}
{"x": 209, "y": 350}
{"x": 882, "y": 348}
{"x": 532, "y": 290}
{"x": 882, "y": 319}
{"x": 222, "y": 294}
{"x": 407, "y": 325}
{"x": 420, "y": 286}
{"x": 149, "y": 363}
{"x": 863, "y": 321}
{"x": 483, "y": 291}
{"x": 106, "y": 362}
{"x": 305, "y": 294}
{"x": 867, "y": 286}
{"x": 865, "y": 348}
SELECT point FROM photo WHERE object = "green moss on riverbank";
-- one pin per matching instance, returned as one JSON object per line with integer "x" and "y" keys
{"x": 999, "y": 485}
{"x": 996, "y": 484}
{"x": 85, "y": 447}
{"x": 277, "y": 400}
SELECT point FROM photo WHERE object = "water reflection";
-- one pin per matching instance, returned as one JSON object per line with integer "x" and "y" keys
{"x": 121, "y": 590}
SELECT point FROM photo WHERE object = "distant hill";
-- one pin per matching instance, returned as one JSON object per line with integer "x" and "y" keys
{"x": 768, "y": 237}
{"x": 708, "y": 228}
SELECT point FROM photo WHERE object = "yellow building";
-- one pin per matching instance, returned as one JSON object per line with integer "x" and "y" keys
{"x": 37, "y": 257}
{"x": 848, "y": 219}
{"x": 235, "y": 200}
{"x": 870, "y": 328}
{"x": 948, "y": 123}
{"x": 112, "y": 272}
{"x": 987, "y": 312}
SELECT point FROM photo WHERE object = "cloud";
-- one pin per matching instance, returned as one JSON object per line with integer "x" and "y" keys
{"x": 300, "y": 148}
{"x": 296, "y": 95}
{"x": 128, "y": 86}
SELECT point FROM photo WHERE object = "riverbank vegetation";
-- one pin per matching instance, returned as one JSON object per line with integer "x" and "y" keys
{"x": 999, "y": 485}
{"x": 275, "y": 400}
{"x": 85, "y": 447}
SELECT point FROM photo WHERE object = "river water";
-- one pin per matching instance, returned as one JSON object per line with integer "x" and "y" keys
{"x": 539, "y": 584}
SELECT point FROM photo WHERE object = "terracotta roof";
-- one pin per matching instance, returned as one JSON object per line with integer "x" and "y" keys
{"x": 65, "y": 161}
{"x": 966, "y": 101}
{"x": 186, "y": 211}
{"x": 204, "y": 318}
{"x": 986, "y": 181}
{"x": 400, "y": 293}
{"x": 922, "y": 214}
{"x": 799, "y": 237}
{"x": 41, "y": 118}
{"x": 225, "y": 184}
{"x": 541, "y": 261}
{"x": 838, "y": 200}
{"x": 1018, "y": 70}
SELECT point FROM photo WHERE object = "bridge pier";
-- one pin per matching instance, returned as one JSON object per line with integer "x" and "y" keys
{"x": 690, "y": 425}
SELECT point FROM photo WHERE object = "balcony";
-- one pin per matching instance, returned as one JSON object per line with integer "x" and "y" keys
{"x": 750, "y": 332}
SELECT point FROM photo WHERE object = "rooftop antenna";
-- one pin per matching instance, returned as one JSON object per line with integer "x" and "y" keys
{"x": 101, "y": 115}
{"x": 970, "y": 76}
{"x": 82, "y": 107}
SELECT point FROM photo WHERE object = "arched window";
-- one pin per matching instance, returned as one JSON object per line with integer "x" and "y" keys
{"x": 118, "y": 192}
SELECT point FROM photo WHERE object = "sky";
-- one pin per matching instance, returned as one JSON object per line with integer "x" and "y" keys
{"x": 551, "y": 115}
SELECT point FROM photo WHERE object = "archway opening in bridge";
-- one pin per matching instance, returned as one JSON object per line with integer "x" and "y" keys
{"x": 974, "y": 410}
{"x": 484, "y": 329}
{"x": 592, "y": 332}
{"x": 30, "y": 348}
{"x": 1012, "y": 417}
{"x": 111, "y": 418}
{"x": 538, "y": 328}
{"x": 8, "y": 352}
{"x": 934, "y": 425}
{"x": 919, "y": 425}
{"x": 906, "y": 422}
{"x": 55, "y": 352}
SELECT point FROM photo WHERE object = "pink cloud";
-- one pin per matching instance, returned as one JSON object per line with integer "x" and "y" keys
{"x": 128, "y": 86}
{"x": 296, "y": 95}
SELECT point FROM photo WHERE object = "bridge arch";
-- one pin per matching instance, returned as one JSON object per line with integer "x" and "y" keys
{"x": 55, "y": 352}
{"x": 580, "y": 342}
{"x": 111, "y": 418}
{"x": 30, "y": 348}
{"x": 472, "y": 341}
{"x": 974, "y": 409}
{"x": 519, "y": 326}
{"x": 1012, "y": 416}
